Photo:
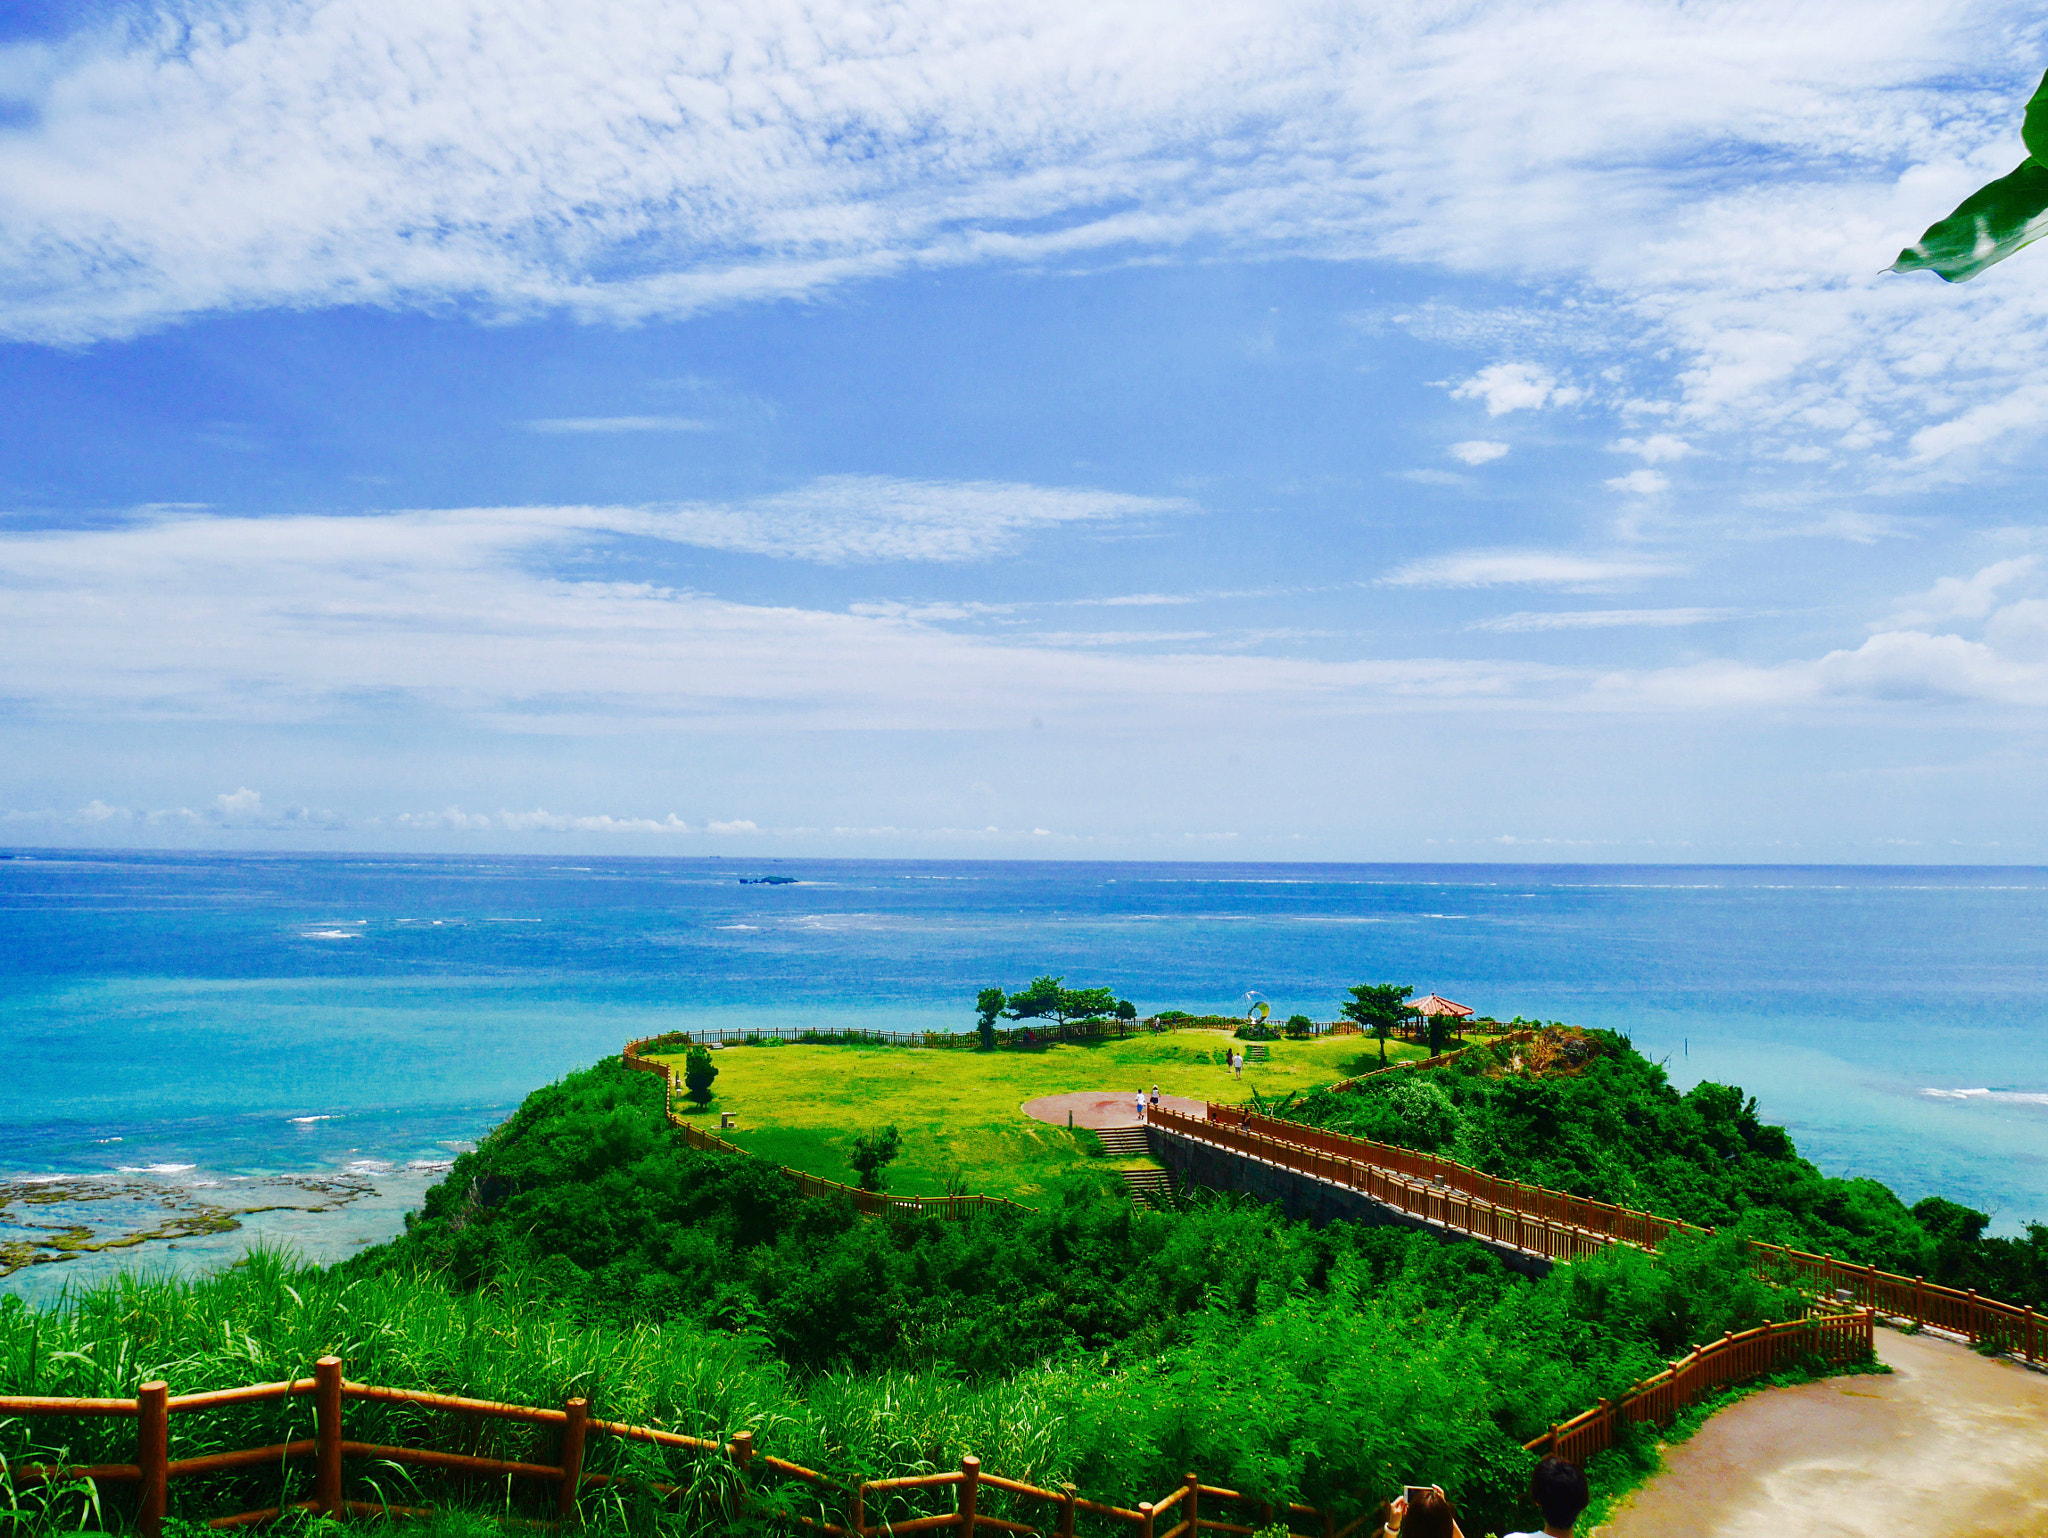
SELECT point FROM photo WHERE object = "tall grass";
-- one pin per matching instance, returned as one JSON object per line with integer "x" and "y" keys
{"x": 1331, "y": 1396}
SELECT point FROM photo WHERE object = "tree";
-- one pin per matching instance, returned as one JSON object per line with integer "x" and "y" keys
{"x": 1126, "y": 1010}
{"x": 1439, "y": 1034}
{"x": 1080, "y": 1003}
{"x": 698, "y": 1072}
{"x": 988, "y": 1004}
{"x": 1041, "y": 998}
{"x": 871, "y": 1151}
{"x": 1379, "y": 1008}
{"x": 1300, "y": 1026}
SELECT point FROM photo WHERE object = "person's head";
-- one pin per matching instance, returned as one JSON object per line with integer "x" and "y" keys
{"x": 1559, "y": 1490}
{"x": 1429, "y": 1516}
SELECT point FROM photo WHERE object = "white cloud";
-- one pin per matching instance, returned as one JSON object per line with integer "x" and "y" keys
{"x": 857, "y": 518}
{"x": 1477, "y": 451}
{"x": 541, "y": 820}
{"x": 1900, "y": 666}
{"x": 1640, "y": 483}
{"x": 241, "y": 809}
{"x": 1656, "y": 449}
{"x": 1600, "y": 619}
{"x": 617, "y": 425}
{"x": 455, "y": 614}
{"x": 1544, "y": 568}
{"x": 1958, "y": 598}
{"x": 453, "y": 820}
{"x": 617, "y": 161}
{"x": 1505, "y": 387}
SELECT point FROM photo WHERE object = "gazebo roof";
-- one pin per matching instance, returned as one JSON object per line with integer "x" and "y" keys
{"x": 1435, "y": 1004}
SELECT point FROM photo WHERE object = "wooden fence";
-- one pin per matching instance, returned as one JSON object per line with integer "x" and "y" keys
{"x": 1040, "y": 1029}
{"x": 1836, "y": 1338}
{"x": 879, "y": 1507}
{"x": 862, "y": 1507}
{"x": 1441, "y": 1204}
{"x": 1603, "y": 1218}
{"x": 870, "y": 1203}
{"x": 154, "y": 1468}
{"x": 2009, "y": 1327}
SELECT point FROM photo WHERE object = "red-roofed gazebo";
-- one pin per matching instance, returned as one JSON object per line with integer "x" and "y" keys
{"x": 1437, "y": 1004}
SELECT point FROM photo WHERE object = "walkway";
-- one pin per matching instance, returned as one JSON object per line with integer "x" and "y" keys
{"x": 1950, "y": 1443}
{"x": 1096, "y": 1109}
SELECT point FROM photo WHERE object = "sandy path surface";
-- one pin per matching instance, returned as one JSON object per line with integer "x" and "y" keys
{"x": 1095, "y": 1108}
{"x": 1950, "y": 1443}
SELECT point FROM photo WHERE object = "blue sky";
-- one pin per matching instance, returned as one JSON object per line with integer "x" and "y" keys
{"x": 1235, "y": 431}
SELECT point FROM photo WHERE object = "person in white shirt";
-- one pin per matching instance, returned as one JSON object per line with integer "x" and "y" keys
{"x": 1559, "y": 1490}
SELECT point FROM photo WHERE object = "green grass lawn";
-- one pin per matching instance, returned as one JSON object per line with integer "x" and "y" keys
{"x": 959, "y": 1111}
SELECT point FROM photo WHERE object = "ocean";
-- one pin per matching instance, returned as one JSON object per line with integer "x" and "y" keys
{"x": 209, "y": 1049}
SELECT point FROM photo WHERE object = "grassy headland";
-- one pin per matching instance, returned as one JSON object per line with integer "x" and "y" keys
{"x": 583, "y": 1247}
{"x": 957, "y": 1110}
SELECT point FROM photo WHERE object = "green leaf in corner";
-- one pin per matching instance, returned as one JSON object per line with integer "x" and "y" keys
{"x": 2034, "y": 131}
{"x": 1990, "y": 224}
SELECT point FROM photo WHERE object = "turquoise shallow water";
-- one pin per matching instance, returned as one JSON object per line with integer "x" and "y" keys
{"x": 336, "y": 1028}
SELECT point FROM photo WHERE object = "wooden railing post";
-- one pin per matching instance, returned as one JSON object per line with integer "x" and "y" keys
{"x": 1972, "y": 1321}
{"x": 2027, "y": 1350}
{"x": 1144, "y": 1519}
{"x": 1919, "y": 1300}
{"x": 327, "y": 1434}
{"x": 1193, "y": 1516}
{"x": 970, "y": 1482}
{"x": 857, "y": 1514}
{"x": 153, "y": 1454}
{"x": 1066, "y": 1511}
{"x": 574, "y": 1430}
{"x": 741, "y": 1450}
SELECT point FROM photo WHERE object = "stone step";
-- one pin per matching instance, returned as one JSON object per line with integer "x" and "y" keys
{"x": 1123, "y": 1142}
{"x": 1255, "y": 1052}
{"x": 1148, "y": 1188}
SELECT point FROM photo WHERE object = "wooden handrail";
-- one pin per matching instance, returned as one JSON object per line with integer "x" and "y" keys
{"x": 486, "y": 1407}
{"x": 2020, "y": 1330}
{"x": 214, "y": 1399}
{"x": 1658, "y": 1397}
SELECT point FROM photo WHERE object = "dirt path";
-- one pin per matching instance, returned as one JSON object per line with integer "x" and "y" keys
{"x": 1950, "y": 1443}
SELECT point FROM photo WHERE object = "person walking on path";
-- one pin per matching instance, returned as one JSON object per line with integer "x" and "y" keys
{"x": 1155, "y": 1098}
{"x": 1559, "y": 1490}
{"x": 1237, "y": 1064}
{"x": 1138, "y": 1104}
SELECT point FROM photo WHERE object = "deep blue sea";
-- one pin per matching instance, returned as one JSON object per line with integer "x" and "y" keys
{"x": 320, "y": 1035}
